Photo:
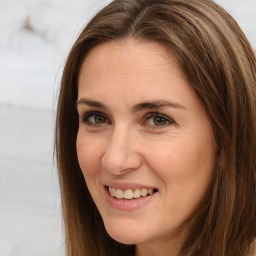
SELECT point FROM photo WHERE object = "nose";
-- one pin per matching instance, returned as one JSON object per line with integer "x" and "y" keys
{"x": 122, "y": 153}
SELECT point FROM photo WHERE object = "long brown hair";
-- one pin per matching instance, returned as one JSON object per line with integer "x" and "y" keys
{"x": 220, "y": 66}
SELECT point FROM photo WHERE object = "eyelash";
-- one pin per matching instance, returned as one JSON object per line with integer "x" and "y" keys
{"x": 164, "y": 118}
{"x": 168, "y": 121}
{"x": 85, "y": 118}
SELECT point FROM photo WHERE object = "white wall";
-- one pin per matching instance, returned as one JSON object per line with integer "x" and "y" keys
{"x": 35, "y": 36}
{"x": 31, "y": 61}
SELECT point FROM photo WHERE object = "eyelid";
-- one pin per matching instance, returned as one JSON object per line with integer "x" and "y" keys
{"x": 157, "y": 114}
{"x": 85, "y": 116}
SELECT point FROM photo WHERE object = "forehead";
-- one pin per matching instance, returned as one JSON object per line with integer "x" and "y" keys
{"x": 129, "y": 64}
{"x": 129, "y": 48}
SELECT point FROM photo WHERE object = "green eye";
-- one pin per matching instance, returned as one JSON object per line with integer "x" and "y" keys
{"x": 97, "y": 119}
{"x": 158, "y": 121}
{"x": 155, "y": 119}
{"x": 94, "y": 118}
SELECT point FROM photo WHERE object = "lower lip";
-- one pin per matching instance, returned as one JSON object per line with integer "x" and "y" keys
{"x": 128, "y": 204}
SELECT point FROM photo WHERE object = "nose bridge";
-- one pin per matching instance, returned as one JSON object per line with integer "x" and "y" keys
{"x": 121, "y": 154}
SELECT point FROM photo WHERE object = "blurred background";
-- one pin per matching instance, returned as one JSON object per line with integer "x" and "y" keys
{"x": 35, "y": 37}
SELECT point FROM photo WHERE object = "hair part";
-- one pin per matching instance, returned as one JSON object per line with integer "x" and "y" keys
{"x": 220, "y": 65}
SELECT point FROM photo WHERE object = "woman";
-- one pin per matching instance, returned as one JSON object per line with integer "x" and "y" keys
{"x": 156, "y": 133}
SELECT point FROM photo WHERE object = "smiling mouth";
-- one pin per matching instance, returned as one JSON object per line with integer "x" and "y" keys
{"x": 129, "y": 194}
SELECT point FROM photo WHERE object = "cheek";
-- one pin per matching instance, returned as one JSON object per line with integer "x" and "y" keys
{"x": 186, "y": 173}
{"x": 89, "y": 155}
{"x": 185, "y": 168}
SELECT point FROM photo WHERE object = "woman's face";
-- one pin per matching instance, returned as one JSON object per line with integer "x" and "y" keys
{"x": 145, "y": 144}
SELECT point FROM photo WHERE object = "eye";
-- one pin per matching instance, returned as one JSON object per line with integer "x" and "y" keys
{"x": 157, "y": 120}
{"x": 94, "y": 118}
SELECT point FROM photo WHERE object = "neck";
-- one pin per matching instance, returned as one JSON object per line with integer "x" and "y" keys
{"x": 160, "y": 247}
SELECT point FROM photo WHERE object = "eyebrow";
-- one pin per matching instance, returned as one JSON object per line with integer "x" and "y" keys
{"x": 157, "y": 104}
{"x": 136, "y": 108}
{"x": 91, "y": 103}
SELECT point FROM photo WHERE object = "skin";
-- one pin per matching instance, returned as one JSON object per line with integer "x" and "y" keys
{"x": 125, "y": 144}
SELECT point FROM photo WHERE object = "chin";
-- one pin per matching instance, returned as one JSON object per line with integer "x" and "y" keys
{"x": 123, "y": 239}
{"x": 125, "y": 234}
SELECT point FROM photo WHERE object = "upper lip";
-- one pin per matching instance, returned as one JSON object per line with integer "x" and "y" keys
{"x": 127, "y": 185}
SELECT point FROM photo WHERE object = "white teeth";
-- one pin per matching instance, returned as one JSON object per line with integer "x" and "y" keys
{"x": 144, "y": 192}
{"x": 119, "y": 193}
{"x": 136, "y": 193}
{"x": 129, "y": 193}
{"x": 111, "y": 191}
{"x": 150, "y": 191}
